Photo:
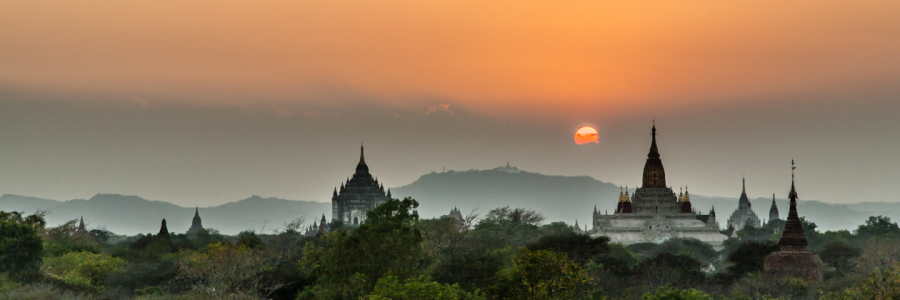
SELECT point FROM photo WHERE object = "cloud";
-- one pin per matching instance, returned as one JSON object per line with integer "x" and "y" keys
{"x": 444, "y": 107}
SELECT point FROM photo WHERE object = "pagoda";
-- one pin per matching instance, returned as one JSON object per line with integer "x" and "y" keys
{"x": 357, "y": 195}
{"x": 655, "y": 213}
{"x": 196, "y": 225}
{"x": 793, "y": 260}
{"x": 743, "y": 215}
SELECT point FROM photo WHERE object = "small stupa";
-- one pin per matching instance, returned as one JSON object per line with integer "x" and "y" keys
{"x": 163, "y": 230}
{"x": 793, "y": 260}
{"x": 81, "y": 228}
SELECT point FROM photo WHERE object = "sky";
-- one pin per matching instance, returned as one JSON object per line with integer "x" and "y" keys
{"x": 205, "y": 102}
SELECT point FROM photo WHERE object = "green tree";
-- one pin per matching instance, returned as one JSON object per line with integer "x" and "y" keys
{"x": 839, "y": 255}
{"x": 348, "y": 264}
{"x": 415, "y": 288}
{"x": 666, "y": 268}
{"x": 749, "y": 257}
{"x": 880, "y": 284}
{"x": 668, "y": 292}
{"x": 878, "y": 226}
{"x": 509, "y": 227}
{"x": 82, "y": 268}
{"x": 583, "y": 249}
{"x": 20, "y": 244}
{"x": 471, "y": 267}
{"x": 557, "y": 228}
{"x": 542, "y": 274}
{"x": 249, "y": 239}
{"x": 224, "y": 269}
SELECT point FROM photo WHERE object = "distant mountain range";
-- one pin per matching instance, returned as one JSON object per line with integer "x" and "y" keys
{"x": 571, "y": 198}
{"x": 558, "y": 198}
{"x": 132, "y": 215}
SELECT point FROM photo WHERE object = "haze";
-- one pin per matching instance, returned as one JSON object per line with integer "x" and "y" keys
{"x": 200, "y": 103}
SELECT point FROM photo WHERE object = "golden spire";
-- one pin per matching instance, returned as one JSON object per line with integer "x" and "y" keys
{"x": 687, "y": 197}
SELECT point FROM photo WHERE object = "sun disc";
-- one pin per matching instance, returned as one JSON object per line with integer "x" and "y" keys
{"x": 586, "y": 135}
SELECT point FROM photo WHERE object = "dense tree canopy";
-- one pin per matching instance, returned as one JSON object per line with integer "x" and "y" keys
{"x": 20, "y": 244}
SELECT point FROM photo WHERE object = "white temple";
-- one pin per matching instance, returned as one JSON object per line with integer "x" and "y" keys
{"x": 654, "y": 213}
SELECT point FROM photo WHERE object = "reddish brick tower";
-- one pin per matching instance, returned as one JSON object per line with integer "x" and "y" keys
{"x": 793, "y": 260}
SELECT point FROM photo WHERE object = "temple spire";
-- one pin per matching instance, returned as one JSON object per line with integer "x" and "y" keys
{"x": 362, "y": 156}
{"x": 743, "y": 185}
{"x": 361, "y": 167}
{"x": 792, "y": 238}
{"x": 654, "y": 151}
{"x": 654, "y": 173}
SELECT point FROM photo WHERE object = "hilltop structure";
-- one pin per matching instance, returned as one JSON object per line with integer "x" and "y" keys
{"x": 743, "y": 215}
{"x": 654, "y": 213}
{"x": 196, "y": 225}
{"x": 357, "y": 195}
{"x": 793, "y": 260}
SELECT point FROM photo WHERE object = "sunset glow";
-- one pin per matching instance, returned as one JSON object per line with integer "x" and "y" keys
{"x": 492, "y": 56}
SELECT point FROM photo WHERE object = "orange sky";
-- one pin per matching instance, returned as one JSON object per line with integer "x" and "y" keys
{"x": 487, "y": 55}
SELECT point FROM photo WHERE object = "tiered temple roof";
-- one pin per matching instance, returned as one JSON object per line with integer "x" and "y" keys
{"x": 196, "y": 224}
{"x": 744, "y": 214}
{"x": 655, "y": 212}
{"x": 358, "y": 195}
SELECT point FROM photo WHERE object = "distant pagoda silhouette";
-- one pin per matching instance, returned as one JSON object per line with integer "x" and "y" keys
{"x": 196, "y": 225}
{"x": 81, "y": 229}
{"x": 163, "y": 230}
{"x": 744, "y": 214}
{"x": 357, "y": 195}
{"x": 773, "y": 211}
{"x": 793, "y": 260}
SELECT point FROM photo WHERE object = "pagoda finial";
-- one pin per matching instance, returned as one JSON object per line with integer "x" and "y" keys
{"x": 362, "y": 156}
{"x": 196, "y": 211}
{"x": 744, "y": 185}
{"x": 654, "y": 151}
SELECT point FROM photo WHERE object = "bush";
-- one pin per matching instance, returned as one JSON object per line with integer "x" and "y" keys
{"x": 82, "y": 268}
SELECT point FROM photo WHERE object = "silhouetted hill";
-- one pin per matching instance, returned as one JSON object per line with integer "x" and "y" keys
{"x": 567, "y": 198}
{"x": 558, "y": 198}
{"x": 131, "y": 214}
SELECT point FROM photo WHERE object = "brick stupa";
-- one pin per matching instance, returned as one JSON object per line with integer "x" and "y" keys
{"x": 793, "y": 260}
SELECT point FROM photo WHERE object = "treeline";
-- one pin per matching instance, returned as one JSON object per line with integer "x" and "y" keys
{"x": 507, "y": 253}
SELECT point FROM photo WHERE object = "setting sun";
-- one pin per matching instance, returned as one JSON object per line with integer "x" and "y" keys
{"x": 586, "y": 135}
